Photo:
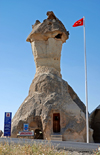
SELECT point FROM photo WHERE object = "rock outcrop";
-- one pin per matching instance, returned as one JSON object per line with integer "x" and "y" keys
{"x": 49, "y": 94}
{"x": 46, "y": 40}
{"x": 51, "y": 105}
{"x": 1, "y": 133}
{"x": 51, "y": 27}
{"x": 94, "y": 123}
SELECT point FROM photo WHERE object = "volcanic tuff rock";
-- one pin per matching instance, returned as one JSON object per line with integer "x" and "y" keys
{"x": 46, "y": 40}
{"x": 51, "y": 27}
{"x": 49, "y": 94}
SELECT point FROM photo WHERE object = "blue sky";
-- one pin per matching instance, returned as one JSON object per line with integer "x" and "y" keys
{"x": 17, "y": 67}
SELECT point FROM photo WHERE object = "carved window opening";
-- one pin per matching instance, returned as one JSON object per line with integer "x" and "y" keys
{"x": 58, "y": 36}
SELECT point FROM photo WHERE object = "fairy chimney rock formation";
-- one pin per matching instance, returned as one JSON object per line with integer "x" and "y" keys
{"x": 51, "y": 106}
{"x": 46, "y": 40}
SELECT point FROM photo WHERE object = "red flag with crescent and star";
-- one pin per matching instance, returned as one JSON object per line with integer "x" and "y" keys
{"x": 78, "y": 23}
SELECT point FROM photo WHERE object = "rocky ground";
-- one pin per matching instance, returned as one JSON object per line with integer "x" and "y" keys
{"x": 79, "y": 153}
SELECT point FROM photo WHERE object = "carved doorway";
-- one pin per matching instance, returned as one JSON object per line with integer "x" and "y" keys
{"x": 56, "y": 122}
{"x": 38, "y": 134}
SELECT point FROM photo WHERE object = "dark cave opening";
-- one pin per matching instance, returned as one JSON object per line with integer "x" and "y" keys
{"x": 58, "y": 36}
{"x": 38, "y": 134}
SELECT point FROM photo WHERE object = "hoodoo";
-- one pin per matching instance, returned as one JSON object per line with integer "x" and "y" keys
{"x": 52, "y": 109}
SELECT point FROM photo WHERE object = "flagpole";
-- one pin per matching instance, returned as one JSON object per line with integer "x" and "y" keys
{"x": 86, "y": 94}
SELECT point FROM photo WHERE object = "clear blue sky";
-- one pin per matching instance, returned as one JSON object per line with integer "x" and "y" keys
{"x": 17, "y": 67}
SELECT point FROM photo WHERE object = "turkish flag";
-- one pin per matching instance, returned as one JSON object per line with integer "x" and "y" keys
{"x": 78, "y": 23}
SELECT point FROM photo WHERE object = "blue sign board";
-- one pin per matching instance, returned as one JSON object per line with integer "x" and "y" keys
{"x": 26, "y": 127}
{"x": 7, "y": 124}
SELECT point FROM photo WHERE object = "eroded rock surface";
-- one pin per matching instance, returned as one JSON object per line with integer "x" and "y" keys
{"x": 49, "y": 94}
{"x": 51, "y": 27}
{"x": 46, "y": 40}
{"x": 51, "y": 106}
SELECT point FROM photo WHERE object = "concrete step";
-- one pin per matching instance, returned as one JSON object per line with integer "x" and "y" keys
{"x": 56, "y": 137}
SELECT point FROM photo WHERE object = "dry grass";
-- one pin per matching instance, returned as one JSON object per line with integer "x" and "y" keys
{"x": 35, "y": 149}
{"x": 97, "y": 152}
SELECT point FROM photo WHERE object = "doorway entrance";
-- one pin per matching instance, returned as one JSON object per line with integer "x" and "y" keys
{"x": 56, "y": 122}
{"x": 38, "y": 134}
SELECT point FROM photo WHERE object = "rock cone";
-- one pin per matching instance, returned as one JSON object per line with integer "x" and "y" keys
{"x": 51, "y": 107}
{"x": 50, "y": 94}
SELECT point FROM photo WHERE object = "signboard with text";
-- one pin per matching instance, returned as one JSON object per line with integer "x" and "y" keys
{"x": 7, "y": 124}
{"x": 26, "y": 133}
